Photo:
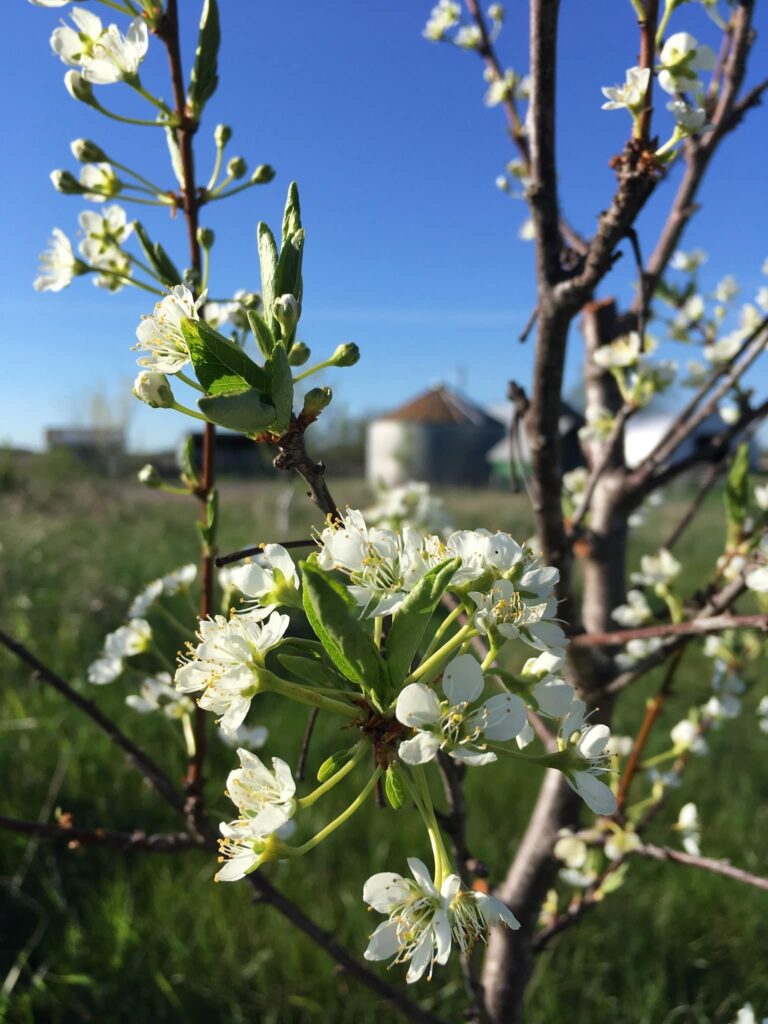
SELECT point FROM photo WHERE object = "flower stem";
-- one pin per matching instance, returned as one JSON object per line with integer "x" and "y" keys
{"x": 434, "y": 661}
{"x": 356, "y": 804}
{"x": 443, "y": 865}
{"x": 188, "y": 380}
{"x": 189, "y": 735}
{"x": 441, "y": 629}
{"x": 305, "y": 695}
{"x": 378, "y": 628}
{"x": 310, "y": 798}
{"x": 188, "y": 412}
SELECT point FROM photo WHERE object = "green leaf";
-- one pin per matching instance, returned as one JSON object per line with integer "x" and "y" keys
{"x": 395, "y": 788}
{"x": 412, "y": 618}
{"x": 175, "y": 154}
{"x": 247, "y": 412}
{"x": 315, "y": 671}
{"x": 292, "y": 214}
{"x": 615, "y": 880}
{"x": 281, "y": 389}
{"x": 332, "y": 764}
{"x": 205, "y": 78}
{"x": 737, "y": 493}
{"x": 221, "y": 366}
{"x": 261, "y": 332}
{"x": 335, "y": 620}
{"x": 157, "y": 257}
{"x": 187, "y": 462}
{"x": 268, "y": 261}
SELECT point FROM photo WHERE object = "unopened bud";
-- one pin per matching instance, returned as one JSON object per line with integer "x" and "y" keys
{"x": 66, "y": 183}
{"x": 496, "y": 13}
{"x": 502, "y": 183}
{"x": 248, "y": 300}
{"x": 332, "y": 764}
{"x": 78, "y": 88}
{"x": 299, "y": 354}
{"x": 206, "y": 237}
{"x": 222, "y": 134}
{"x": 88, "y": 152}
{"x": 236, "y": 167}
{"x": 262, "y": 175}
{"x": 346, "y": 355}
{"x": 149, "y": 476}
{"x": 286, "y": 311}
{"x": 153, "y": 389}
{"x": 315, "y": 401}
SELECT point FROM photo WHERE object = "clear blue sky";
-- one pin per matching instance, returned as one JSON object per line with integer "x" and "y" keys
{"x": 412, "y": 252}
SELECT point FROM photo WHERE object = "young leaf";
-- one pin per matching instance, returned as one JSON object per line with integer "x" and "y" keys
{"x": 335, "y": 620}
{"x": 412, "y": 618}
{"x": 221, "y": 366}
{"x": 205, "y": 78}
{"x": 288, "y": 274}
{"x": 394, "y": 787}
{"x": 332, "y": 764}
{"x": 310, "y": 670}
{"x": 157, "y": 257}
{"x": 246, "y": 411}
{"x": 261, "y": 332}
{"x": 737, "y": 493}
{"x": 281, "y": 391}
{"x": 268, "y": 261}
{"x": 292, "y": 214}
{"x": 175, "y": 154}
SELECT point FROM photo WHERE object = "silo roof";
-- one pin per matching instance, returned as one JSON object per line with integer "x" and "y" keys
{"x": 441, "y": 405}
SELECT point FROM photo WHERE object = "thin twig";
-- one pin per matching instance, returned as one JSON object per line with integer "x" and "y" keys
{"x": 709, "y": 481}
{"x": 141, "y": 761}
{"x": 301, "y": 766}
{"x": 696, "y": 627}
{"x": 74, "y": 836}
{"x": 256, "y": 549}
{"x": 600, "y": 466}
{"x": 718, "y": 867}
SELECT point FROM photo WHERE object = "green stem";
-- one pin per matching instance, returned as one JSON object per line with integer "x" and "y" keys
{"x": 304, "y": 695}
{"x": 668, "y": 755}
{"x": 118, "y": 7}
{"x": 142, "y": 266}
{"x": 188, "y": 380}
{"x": 218, "y": 194}
{"x": 378, "y": 628}
{"x": 313, "y": 369}
{"x": 171, "y": 618}
{"x": 443, "y": 865}
{"x": 206, "y": 268}
{"x": 668, "y": 8}
{"x": 135, "y": 83}
{"x": 639, "y": 9}
{"x": 490, "y": 657}
{"x": 188, "y": 412}
{"x": 128, "y": 280}
{"x": 544, "y": 760}
{"x": 442, "y": 628}
{"x": 434, "y": 661}
{"x": 216, "y": 169}
{"x": 189, "y": 736}
{"x": 356, "y": 804}
{"x": 129, "y": 120}
{"x": 155, "y": 189}
{"x": 310, "y": 798}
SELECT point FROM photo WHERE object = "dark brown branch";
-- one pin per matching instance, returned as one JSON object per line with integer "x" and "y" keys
{"x": 292, "y": 455}
{"x": 325, "y": 940}
{"x": 647, "y": 59}
{"x": 256, "y": 549}
{"x": 301, "y": 764}
{"x": 137, "y": 758}
{"x": 74, "y": 836}
{"x": 713, "y": 624}
{"x": 718, "y": 867}
{"x": 168, "y": 31}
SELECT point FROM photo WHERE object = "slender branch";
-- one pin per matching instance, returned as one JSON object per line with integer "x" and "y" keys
{"x": 292, "y": 455}
{"x": 256, "y": 549}
{"x": 600, "y": 466}
{"x": 652, "y": 712}
{"x": 301, "y": 765}
{"x": 709, "y": 481}
{"x": 718, "y": 867}
{"x": 141, "y": 761}
{"x": 713, "y": 624}
{"x": 73, "y": 835}
{"x": 647, "y": 59}
{"x": 325, "y": 940}
{"x": 168, "y": 32}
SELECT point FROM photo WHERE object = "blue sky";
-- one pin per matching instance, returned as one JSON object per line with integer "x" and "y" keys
{"x": 412, "y": 252}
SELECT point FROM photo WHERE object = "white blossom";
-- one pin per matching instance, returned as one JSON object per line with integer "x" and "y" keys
{"x": 689, "y": 827}
{"x": 269, "y": 576}
{"x": 658, "y": 569}
{"x": 410, "y": 504}
{"x": 686, "y": 735}
{"x": 157, "y": 694}
{"x": 460, "y": 724}
{"x": 681, "y": 58}
{"x": 588, "y": 747}
{"x": 58, "y": 264}
{"x": 630, "y": 95}
{"x": 251, "y": 737}
{"x": 445, "y": 15}
{"x": 636, "y": 612}
{"x": 469, "y": 37}
{"x": 159, "y": 334}
{"x": 103, "y": 54}
{"x": 688, "y": 261}
{"x": 100, "y": 182}
{"x": 153, "y": 389}
{"x": 524, "y": 610}
{"x": 225, "y": 662}
{"x": 621, "y": 353}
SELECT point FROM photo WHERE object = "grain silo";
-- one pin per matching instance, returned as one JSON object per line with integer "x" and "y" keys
{"x": 439, "y": 437}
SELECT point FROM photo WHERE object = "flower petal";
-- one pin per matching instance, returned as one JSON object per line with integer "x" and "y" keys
{"x": 463, "y": 680}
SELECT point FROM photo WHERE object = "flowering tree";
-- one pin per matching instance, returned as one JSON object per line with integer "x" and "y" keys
{"x": 437, "y": 652}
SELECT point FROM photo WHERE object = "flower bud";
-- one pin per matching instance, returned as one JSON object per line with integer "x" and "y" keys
{"x": 222, "y": 134}
{"x": 496, "y": 13}
{"x": 206, "y": 237}
{"x": 262, "y": 175}
{"x": 299, "y": 354}
{"x": 346, "y": 355}
{"x": 502, "y": 183}
{"x": 286, "y": 311}
{"x": 236, "y": 167}
{"x": 149, "y": 476}
{"x": 153, "y": 389}
{"x": 66, "y": 183}
{"x": 88, "y": 152}
{"x": 315, "y": 401}
{"x": 78, "y": 88}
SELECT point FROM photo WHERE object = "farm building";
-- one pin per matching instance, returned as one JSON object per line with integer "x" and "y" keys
{"x": 439, "y": 437}
{"x": 99, "y": 448}
{"x": 644, "y": 431}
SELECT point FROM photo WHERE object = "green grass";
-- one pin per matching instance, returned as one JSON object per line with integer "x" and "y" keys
{"x": 103, "y": 936}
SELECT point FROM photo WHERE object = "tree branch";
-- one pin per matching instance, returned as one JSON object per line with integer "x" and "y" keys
{"x": 256, "y": 549}
{"x": 73, "y": 835}
{"x": 696, "y": 627}
{"x": 292, "y": 455}
{"x": 137, "y": 758}
{"x": 718, "y": 867}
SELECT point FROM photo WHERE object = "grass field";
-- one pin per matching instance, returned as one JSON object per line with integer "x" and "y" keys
{"x": 100, "y": 936}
